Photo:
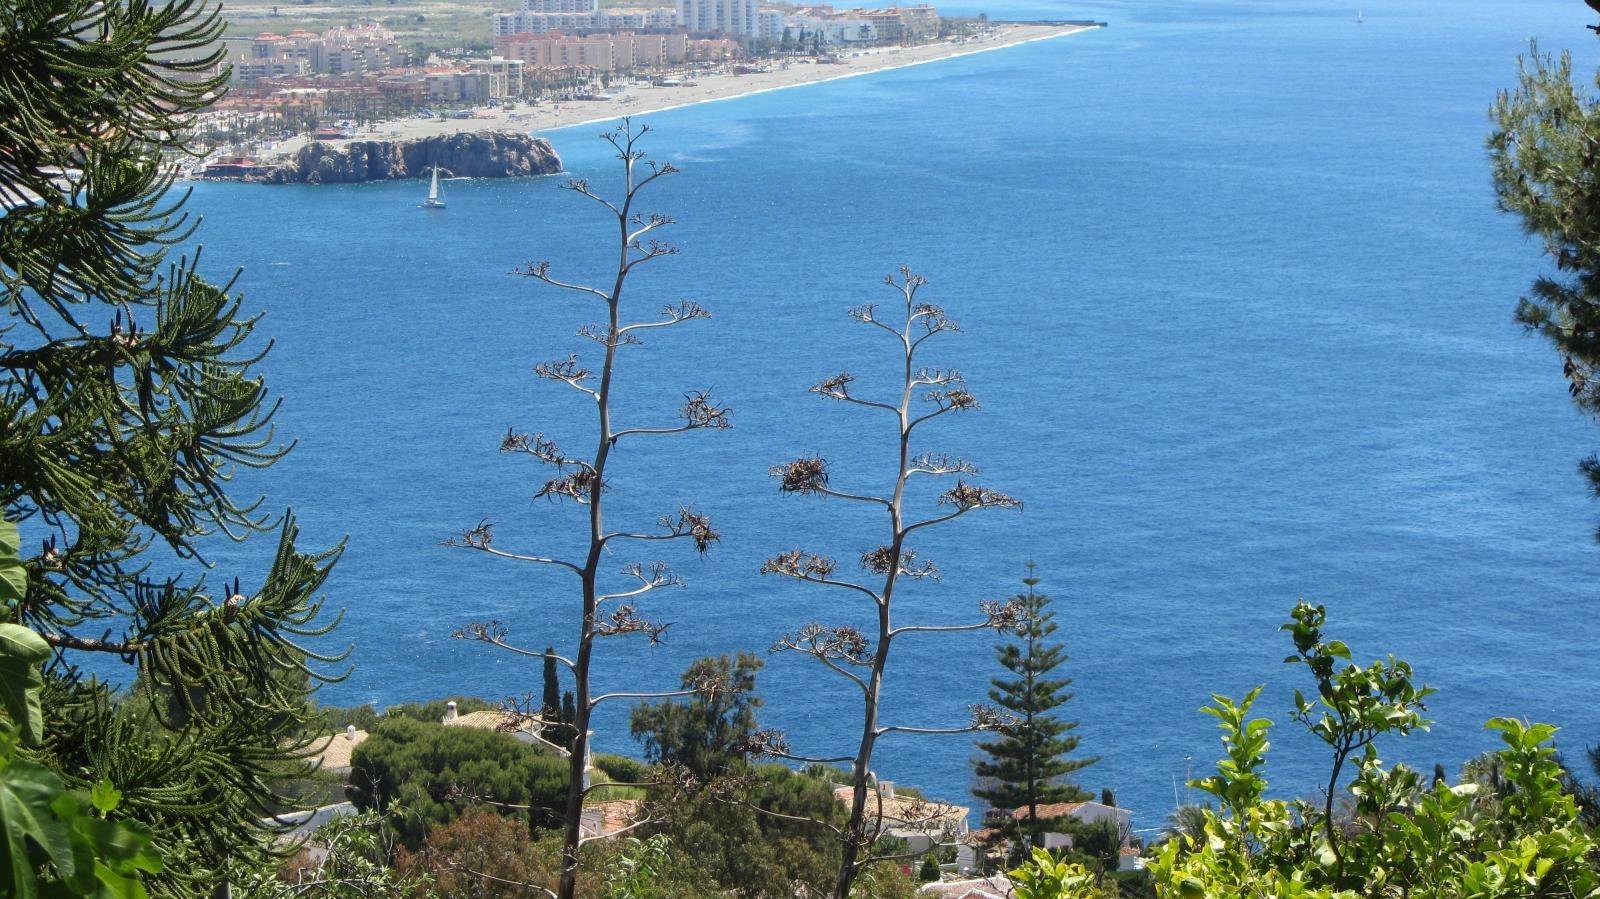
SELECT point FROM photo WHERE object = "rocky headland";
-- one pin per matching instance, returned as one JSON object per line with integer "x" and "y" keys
{"x": 479, "y": 154}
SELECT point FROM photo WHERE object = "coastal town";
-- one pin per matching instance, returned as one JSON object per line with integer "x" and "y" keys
{"x": 554, "y": 63}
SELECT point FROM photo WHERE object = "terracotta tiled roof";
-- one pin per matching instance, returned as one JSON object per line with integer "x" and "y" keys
{"x": 614, "y": 814}
{"x": 996, "y": 887}
{"x": 909, "y": 810}
{"x": 1050, "y": 810}
{"x": 332, "y": 753}
{"x": 494, "y": 719}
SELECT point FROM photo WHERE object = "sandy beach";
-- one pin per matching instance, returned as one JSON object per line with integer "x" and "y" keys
{"x": 633, "y": 99}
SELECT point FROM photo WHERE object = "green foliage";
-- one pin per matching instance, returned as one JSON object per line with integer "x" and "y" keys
{"x": 435, "y": 772}
{"x": 21, "y": 653}
{"x": 622, "y": 769}
{"x": 928, "y": 872}
{"x": 637, "y": 871}
{"x": 1044, "y": 876}
{"x": 351, "y": 862}
{"x": 433, "y": 711}
{"x": 128, "y": 405}
{"x": 333, "y": 718}
{"x": 700, "y": 733}
{"x": 745, "y": 846}
{"x": 1028, "y": 765}
{"x": 1546, "y": 173}
{"x": 13, "y": 574}
{"x": 1401, "y": 838}
{"x": 55, "y": 841}
{"x": 550, "y": 704}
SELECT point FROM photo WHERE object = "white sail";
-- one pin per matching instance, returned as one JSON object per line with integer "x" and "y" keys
{"x": 434, "y": 201}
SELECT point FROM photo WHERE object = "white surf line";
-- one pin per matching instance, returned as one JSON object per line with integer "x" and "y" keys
{"x": 784, "y": 87}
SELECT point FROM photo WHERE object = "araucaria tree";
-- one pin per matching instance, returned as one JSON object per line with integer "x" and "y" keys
{"x": 582, "y": 481}
{"x": 1028, "y": 765}
{"x": 127, "y": 404}
{"x": 924, "y": 395}
{"x": 1547, "y": 172}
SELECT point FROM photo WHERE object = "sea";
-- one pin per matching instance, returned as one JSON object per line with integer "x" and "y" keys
{"x": 1234, "y": 296}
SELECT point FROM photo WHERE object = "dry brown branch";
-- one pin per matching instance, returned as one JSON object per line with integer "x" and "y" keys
{"x": 843, "y": 642}
{"x": 971, "y": 496}
{"x": 880, "y": 560}
{"x": 567, "y": 371}
{"x": 799, "y": 564}
{"x": 941, "y": 464}
{"x": 577, "y": 486}
{"x": 802, "y": 476}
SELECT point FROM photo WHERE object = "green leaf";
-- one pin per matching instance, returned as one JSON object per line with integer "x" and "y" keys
{"x": 13, "y": 576}
{"x": 21, "y": 653}
{"x": 104, "y": 796}
{"x": 28, "y": 793}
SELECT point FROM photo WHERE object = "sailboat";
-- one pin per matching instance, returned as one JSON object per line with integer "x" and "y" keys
{"x": 1360, "y": 18}
{"x": 434, "y": 200}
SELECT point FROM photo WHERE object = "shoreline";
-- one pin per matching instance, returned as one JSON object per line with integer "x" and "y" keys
{"x": 1056, "y": 32}
{"x": 635, "y": 100}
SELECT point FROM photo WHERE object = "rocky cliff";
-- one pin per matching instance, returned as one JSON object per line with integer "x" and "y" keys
{"x": 479, "y": 154}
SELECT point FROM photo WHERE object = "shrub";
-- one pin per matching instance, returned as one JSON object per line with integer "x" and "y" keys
{"x": 433, "y": 772}
{"x": 433, "y": 711}
{"x": 622, "y": 769}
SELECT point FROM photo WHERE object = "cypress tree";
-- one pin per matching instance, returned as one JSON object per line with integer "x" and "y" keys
{"x": 550, "y": 706}
{"x": 1028, "y": 766}
{"x": 569, "y": 717}
{"x": 128, "y": 403}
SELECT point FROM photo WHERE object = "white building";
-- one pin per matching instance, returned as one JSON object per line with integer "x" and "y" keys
{"x": 561, "y": 5}
{"x": 836, "y": 31}
{"x": 734, "y": 18}
{"x": 505, "y": 75}
{"x": 769, "y": 25}
{"x": 609, "y": 21}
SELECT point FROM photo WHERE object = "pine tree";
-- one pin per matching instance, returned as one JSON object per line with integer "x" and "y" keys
{"x": 1546, "y": 173}
{"x": 1028, "y": 766}
{"x": 127, "y": 405}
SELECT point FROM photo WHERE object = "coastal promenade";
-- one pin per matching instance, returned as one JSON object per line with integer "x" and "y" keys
{"x": 639, "y": 99}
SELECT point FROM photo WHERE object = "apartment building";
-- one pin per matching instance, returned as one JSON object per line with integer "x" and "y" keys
{"x": 624, "y": 52}
{"x": 342, "y": 51}
{"x": 458, "y": 87}
{"x": 586, "y": 6}
{"x": 505, "y": 75}
{"x": 735, "y": 18}
{"x": 606, "y": 21}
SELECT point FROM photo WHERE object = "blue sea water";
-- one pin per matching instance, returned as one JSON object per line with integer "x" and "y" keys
{"x": 1236, "y": 301}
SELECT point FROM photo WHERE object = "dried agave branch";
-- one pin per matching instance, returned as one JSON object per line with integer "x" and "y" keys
{"x": 584, "y": 480}
{"x": 539, "y": 447}
{"x": 844, "y": 642}
{"x": 567, "y": 371}
{"x": 809, "y": 475}
{"x": 687, "y": 524}
{"x": 941, "y": 464}
{"x": 846, "y": 650}
{"x": 581, "y": 486}
{"x": 627, "y": 620}
{"x": 880, "y": 560}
